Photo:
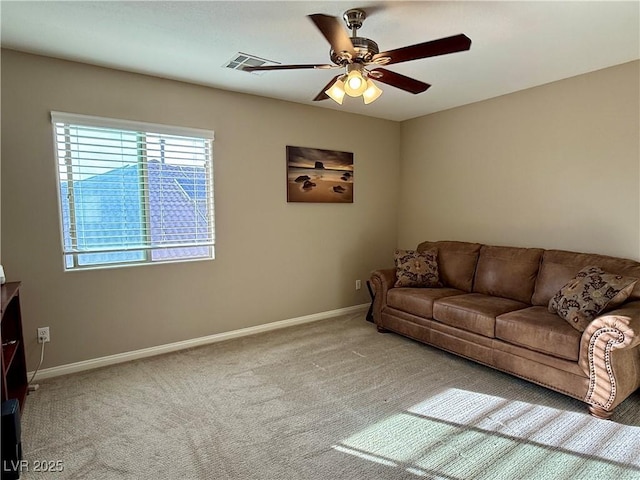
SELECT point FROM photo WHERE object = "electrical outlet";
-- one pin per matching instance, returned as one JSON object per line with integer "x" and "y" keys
{"x": 358, "y": 284}
{"x": 43, "y": 335}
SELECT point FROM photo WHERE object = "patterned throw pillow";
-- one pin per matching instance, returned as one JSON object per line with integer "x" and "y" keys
{"x": 417, "y": 269}
{"x": 592, "y": 292}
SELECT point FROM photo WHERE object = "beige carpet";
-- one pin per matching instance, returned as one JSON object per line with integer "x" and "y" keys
{"x": 328, "y": 400}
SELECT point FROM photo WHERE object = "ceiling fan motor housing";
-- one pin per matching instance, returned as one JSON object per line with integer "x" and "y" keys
{"x": 365, "y": 50}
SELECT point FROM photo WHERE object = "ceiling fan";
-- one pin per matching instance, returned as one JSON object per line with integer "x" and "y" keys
{"x": 362, "y": 60}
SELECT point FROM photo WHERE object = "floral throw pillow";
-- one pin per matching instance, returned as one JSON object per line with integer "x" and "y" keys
{"x": 417, "y": 269}
{"x": 592, "y": 292}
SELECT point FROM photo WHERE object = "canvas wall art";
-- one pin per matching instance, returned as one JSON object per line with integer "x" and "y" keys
{"x": 317, "y": 175}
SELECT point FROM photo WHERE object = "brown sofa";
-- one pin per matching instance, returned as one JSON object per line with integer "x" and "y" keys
{"x": 492, "y": 308}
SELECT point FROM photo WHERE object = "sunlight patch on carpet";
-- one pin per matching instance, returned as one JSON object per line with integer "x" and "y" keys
{"x": 464, "y": 434}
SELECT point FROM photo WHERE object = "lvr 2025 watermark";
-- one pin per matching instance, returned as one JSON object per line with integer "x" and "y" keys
{"x": 32, "y": 466}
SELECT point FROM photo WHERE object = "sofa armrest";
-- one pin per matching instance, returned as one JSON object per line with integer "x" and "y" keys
{"x": 381, "y": 281}
{"x": 610, "y": 356}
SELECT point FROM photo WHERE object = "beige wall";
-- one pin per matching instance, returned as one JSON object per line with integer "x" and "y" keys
{"x": 274, "y": 260}
{"x": 557, "y": 166}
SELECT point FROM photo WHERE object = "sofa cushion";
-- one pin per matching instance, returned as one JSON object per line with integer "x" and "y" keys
{"x": 590, "y": 293}
{"x": 539, "y": 330}
{"x": 474, "y": 312}
{"x": 418, "y": 301}
{"x": 559, "y": 267}
{"x": 508, "y": 272}
{"x": 456, "y": 262}
{"x": 416, "y": 269}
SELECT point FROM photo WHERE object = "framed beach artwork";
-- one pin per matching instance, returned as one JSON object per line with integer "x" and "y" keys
{"x": 319, "y": 176}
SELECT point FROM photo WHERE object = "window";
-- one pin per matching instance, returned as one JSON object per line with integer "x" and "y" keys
{"x": 133, "y": 193}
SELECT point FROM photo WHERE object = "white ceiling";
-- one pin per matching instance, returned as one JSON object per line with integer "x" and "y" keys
{"x": 516, "y": 45}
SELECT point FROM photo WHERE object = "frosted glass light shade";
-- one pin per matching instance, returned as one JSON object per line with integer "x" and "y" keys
{"x": 355, "y": 84}
{"x": 336, "y": 91}
{"x": 372, "y": 92}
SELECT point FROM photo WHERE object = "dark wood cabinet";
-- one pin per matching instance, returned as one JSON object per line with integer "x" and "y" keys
{"x": 14, "y": 365}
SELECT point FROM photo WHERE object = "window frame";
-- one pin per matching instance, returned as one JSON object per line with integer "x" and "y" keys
{"x": 141, "y": 130}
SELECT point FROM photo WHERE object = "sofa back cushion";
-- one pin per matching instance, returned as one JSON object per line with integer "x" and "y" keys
{"x": 507, "y": 272}
{"x": 456, "y": 262}
{"x": 559, "y": 267}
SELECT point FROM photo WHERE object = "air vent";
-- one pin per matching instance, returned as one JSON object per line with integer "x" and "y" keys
{"x": 241, "y": 60}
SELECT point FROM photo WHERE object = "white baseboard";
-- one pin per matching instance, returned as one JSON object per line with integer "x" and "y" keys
{"x": 195, "y": 342}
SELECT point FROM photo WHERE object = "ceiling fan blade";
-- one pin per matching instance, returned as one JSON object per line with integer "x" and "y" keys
{"x": 442, "y": 46}
{"x": 289, "y": 67}
{"x": 397, "y": 80}
{"x": 335, "y": 34}
{"x": 322, "y": 95}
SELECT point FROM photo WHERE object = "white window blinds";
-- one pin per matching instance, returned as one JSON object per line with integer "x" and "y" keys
{"x": 133, "y": 192}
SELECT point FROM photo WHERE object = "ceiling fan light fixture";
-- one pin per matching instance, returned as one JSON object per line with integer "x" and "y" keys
{"x": 336, "y": 91}
{"x": 372, "y": 92}
{"x": 355, "y": 84}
